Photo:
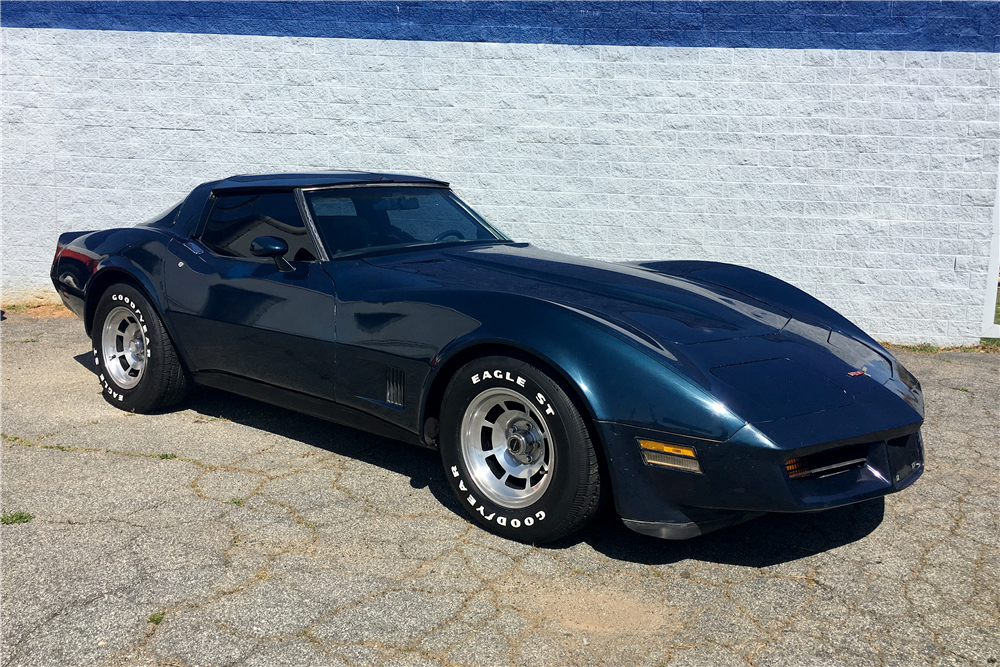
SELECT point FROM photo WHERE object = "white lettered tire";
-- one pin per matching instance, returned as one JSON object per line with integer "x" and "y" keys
{"x": 517, "y": 452}
{"x": 136, "y": 362}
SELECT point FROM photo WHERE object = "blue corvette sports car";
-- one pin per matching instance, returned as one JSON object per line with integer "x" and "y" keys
{"x": 694, "y": 394}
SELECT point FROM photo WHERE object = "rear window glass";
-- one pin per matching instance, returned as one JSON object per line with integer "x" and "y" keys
{"x": 166, "y": 218}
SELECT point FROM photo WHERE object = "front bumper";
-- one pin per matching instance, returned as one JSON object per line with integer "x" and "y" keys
{"x": 747, "y": 476}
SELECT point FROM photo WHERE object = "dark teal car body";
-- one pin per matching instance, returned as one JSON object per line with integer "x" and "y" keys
{"x": 788, "y": 405}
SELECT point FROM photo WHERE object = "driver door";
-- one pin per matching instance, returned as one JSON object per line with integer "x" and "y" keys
{"x": 389, "y": 328}
{"x": 240, "y": 315}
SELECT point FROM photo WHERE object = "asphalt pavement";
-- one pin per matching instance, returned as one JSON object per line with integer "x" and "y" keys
{"x": 228, "y": 532}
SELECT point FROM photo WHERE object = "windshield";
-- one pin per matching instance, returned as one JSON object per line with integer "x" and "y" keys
{"x": 360, "y": 220}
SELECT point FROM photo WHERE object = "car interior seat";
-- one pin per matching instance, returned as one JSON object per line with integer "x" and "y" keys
{"x": 348, "y": 232}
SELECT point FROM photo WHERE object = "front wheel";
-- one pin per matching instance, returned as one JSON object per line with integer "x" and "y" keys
{"x": 517, "y": 452}
{"x": 136, "y": 361}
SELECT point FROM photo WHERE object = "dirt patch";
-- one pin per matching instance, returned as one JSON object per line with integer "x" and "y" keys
{"x": 606, "y": 611}
{"x": 37, "y": 310}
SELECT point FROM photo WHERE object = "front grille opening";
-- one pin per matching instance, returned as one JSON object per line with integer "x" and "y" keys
{"x": 828, "y": 463}
{"x": 900, "y": 442}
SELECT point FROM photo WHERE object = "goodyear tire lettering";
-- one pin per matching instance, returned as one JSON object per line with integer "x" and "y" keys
{"x": 120, "y": 396}
{"x": 481, "y": 508}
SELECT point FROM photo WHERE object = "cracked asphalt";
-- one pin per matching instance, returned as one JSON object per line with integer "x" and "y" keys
{"x": 266, "y": 538}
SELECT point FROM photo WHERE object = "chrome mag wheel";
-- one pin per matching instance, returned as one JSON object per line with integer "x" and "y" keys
{"x": 507, "y": 448}
{"x": 123, "y": 344}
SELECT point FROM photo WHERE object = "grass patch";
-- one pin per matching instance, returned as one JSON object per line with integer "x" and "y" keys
{"x": 961, "y": 389}
{"x": 15, "y": 517}
{"x": 201, "y": 419}
{"x": 167, "y": 456}
{"x": 16, "y": 308}
{"x": 927, "y": 348}
{"x": 237, "y": 501}
{"x": 156, "y": 617}
{"x": 922, "y": 348}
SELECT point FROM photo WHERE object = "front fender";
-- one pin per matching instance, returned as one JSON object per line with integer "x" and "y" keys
{"x": 622, "y": 377}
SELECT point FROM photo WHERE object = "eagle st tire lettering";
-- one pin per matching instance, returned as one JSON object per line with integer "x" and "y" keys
{"x": 499, "y": 375}
{"x": 517, "y": 380}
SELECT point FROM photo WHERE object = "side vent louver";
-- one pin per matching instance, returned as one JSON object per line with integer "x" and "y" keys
{"x": 394, "y": 386}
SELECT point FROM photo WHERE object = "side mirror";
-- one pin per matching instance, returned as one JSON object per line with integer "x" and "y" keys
{"x": 272, "y": 246}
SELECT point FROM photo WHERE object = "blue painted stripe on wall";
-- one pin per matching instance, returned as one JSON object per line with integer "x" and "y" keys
{"x": 890, "y": 25}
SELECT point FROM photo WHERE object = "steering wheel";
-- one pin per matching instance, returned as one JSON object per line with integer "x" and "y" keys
{"x": 449, "y": 232}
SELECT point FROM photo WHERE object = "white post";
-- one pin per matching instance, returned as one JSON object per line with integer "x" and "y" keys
{"x": 990, "y": 328}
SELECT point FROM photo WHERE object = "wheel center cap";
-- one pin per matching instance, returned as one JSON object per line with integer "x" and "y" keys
{"x": 135, "y": 347}
{"x": 523, "y": 443}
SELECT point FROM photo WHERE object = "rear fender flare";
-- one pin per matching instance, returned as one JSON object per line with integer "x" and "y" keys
{"x": 117, "y": 269}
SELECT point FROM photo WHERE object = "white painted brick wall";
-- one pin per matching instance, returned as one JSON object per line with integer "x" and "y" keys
{"x": 866, "y": 178}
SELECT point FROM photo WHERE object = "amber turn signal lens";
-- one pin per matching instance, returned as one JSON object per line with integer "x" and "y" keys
{"x": 672, "y": 456}
{"x": 796, "y": 469}
{"x": 678, "y": 450}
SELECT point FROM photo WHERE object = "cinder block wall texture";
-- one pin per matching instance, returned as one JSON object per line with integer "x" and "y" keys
{"x": 866, "y": 177}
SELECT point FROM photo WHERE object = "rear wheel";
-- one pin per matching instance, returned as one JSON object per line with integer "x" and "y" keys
{"x": 137, "y": 363}
{"x": 517, "y": 451}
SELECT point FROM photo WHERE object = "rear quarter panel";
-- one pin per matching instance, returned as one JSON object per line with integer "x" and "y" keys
{"x": 88, "y": 264}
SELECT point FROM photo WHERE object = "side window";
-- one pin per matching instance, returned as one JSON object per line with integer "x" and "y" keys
{"x": 236, "y": 220}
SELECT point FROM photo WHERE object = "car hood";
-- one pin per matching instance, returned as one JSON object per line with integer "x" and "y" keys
{"x": 667, "y": 309}
{"x": 763, "y": 362}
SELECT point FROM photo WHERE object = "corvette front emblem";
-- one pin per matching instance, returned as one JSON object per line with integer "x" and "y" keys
{"x": 854, "y": 374}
